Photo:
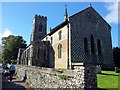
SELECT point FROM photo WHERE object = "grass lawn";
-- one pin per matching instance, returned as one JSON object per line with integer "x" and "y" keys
{"x": 108, "y": 79}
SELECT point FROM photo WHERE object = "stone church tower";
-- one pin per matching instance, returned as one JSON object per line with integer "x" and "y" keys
{"x": 39, "y": 25}
{"x": 34, "y": 54}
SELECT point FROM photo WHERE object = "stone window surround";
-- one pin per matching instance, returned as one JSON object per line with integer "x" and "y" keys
{"x": 59, "y": 51}
{"x": 96, "y": 43}
{"x": 60, "y": 35}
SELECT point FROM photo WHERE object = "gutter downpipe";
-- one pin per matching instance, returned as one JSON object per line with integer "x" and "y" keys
{"x": 69, "y": 45}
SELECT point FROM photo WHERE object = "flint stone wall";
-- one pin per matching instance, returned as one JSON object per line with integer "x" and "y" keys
{"x": 39, "y": 77}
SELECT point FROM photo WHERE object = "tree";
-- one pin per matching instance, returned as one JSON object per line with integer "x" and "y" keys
{"x": 116, "y": 56}
{"x": 11, "y": 45}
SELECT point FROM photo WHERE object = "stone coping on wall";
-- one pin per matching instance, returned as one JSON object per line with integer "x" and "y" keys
{"x": 78, "y": 64}
{"x": 57, "y": 71}
{"x": 52, "y": 71}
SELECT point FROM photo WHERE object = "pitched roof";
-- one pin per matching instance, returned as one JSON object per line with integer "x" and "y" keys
{"x": 62, "y": 24}
{"x": 58, "y": 27}
{"x": 92, "y": 9}
{"x": 79, "y": 12}
{"x": 66, "y": 22}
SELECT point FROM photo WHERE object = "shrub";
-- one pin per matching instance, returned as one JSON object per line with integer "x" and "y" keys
{"x": 63, "y": 77}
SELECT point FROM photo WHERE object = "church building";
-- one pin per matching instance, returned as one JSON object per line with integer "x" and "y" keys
{"x": 84, "y": 37}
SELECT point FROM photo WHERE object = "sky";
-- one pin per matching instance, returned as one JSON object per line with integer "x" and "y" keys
{"x": 17, "y": 16}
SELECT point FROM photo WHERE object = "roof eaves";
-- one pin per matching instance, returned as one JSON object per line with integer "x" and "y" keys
{"x": 58, "y": 27}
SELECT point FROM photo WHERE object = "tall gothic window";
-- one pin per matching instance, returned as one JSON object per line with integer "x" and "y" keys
{"x": 99, "y": 46}
{"x": 40, "y": 27}
{"x": 59, "y": 51}
{"x": 86, "y": 45}
{"x": 92, "y": 44}
{"x": 60, "y": 35}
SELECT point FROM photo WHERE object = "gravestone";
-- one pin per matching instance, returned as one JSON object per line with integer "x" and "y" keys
{"x": 116, "y": 69}
{"x": 98, "y": 69}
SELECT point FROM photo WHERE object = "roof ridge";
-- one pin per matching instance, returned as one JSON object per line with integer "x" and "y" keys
{"x": 80, "y": 11}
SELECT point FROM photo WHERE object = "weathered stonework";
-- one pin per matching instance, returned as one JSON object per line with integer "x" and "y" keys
{"x": 38, "y": 77}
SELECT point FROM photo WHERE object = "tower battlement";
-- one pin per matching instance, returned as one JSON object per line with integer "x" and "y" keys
{"x": 40, "y": 16}
{"x": 39, "y": 28}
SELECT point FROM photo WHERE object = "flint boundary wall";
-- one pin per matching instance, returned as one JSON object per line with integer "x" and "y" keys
{"x": 39, "y": 77}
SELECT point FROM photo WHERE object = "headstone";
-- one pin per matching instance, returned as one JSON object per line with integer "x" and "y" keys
{"x": 98, "y": 69}
{"x": 116, "y": 69}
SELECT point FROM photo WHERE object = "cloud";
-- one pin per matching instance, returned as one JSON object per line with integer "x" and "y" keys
{"x": 112, "y": 16}
{"x": 6, "y": 33}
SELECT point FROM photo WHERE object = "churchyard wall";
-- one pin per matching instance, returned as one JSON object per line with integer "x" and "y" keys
{"x": 39, "y": 77}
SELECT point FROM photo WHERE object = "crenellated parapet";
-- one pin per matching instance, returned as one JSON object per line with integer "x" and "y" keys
{"x": 40, "y": 16}
{"x": 39, "y": 28}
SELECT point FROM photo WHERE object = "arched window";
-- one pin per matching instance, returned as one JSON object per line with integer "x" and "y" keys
{"x": 40, "y": 27}
{"x": 99, "y": 46}
{"x": 60, "y": 35}
{"x": 59, "y": 51}
{"x": 85, "y": 45}
{"x": 92, "y": 44}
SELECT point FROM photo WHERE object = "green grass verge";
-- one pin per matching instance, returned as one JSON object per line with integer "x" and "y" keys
{"x": 108, "y": 80}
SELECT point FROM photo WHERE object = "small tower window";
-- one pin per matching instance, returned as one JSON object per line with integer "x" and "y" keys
{"x": 99, "y": 46}
{"x": 85, "y": 45}
{"x": 40, "y": 27}
{"x": 92, "y": 44}
{"x": 60, "y": 35}
{"x": 59, "y": 51}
